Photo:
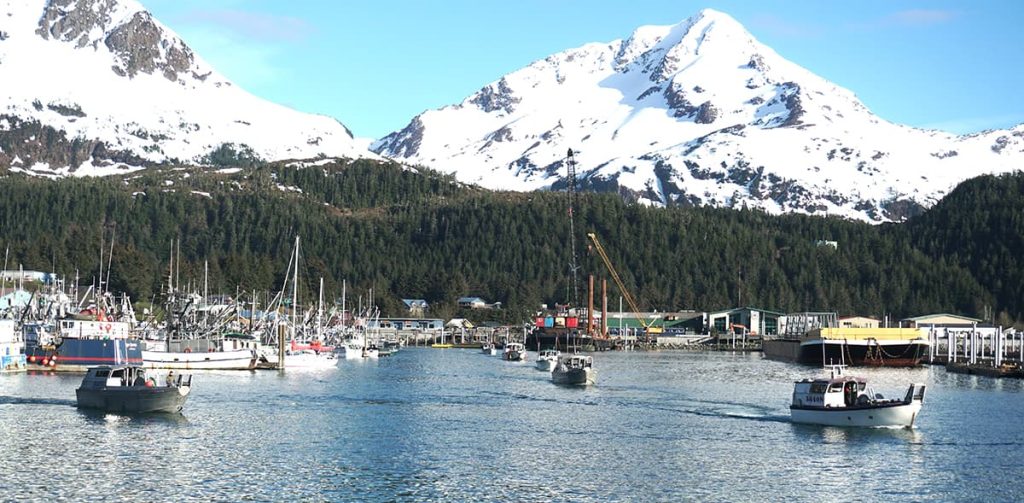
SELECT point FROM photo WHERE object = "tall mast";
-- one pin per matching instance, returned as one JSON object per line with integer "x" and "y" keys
{"x": 99, "y": 288}
{"x": 177, "y": 261}
{"x": 295, "y": 290}
{"x": 110, "y": 258}
{"x": 571, "y": 191}
{"x": 3, "y": 288}
{"x": 170, "y": 271}
{"x": 320, "y": 311}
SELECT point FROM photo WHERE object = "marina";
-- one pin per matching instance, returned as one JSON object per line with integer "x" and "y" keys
{"x": 439, "y": 423}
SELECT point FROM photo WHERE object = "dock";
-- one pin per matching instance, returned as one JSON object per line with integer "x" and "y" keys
{"x": 989, "y": 352}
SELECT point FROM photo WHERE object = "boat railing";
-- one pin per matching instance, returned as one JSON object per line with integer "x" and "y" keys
{"x": 915, "y": 393}
{"x": 183, "y": 381}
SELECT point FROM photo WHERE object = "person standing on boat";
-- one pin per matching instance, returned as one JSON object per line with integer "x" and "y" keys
{"x": 170, "y": 378}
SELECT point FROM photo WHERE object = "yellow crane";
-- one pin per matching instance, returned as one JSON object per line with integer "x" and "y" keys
{"x": 618, "y": 282}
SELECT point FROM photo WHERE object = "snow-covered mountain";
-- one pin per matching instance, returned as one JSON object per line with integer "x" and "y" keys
{"x": 100, "y": 87}
{"x": 697, "y": 113}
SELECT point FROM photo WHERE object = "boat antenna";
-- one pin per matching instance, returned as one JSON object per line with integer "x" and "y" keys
{"x": 7, "y": 254}
{"x": 570, "y": 162}
{"x": 110, "y": 258}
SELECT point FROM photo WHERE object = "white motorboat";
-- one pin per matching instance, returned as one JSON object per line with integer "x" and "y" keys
{"x": 307, "y": 358}
{"x": 547, "y": 359}
{"x": 575, "y": 370}
{"x": 841, "y": 400}
{"x": 489, "y": 349}
{"x": 356, "y": 348}
{"x": 514, "y": 352}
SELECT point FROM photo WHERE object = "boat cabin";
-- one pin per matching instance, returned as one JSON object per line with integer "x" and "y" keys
{"x": 576, "y": 361}
{"x": 106, "y": 376}
{"x": 548, "y": 353}
{"x": 840, "y": 391}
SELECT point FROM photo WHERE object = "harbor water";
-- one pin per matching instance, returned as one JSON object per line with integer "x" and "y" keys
{"x": 458, "y": 425}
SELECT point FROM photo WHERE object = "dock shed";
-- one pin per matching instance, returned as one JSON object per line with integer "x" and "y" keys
{"x": 858, "y": 322}
{"x": 751, "y": 321}
{"x": 940, "y": 320}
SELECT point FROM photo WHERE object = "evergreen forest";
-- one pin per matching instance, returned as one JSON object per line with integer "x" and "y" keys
{"x": 408, "y": 233}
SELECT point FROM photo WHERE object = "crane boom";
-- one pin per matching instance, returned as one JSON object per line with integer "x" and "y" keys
{"x": 618, "y": 281}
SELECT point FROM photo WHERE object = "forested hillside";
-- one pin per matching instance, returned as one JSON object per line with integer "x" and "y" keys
{"x": 980, "y": 225}
{"x": 413, "y": 234}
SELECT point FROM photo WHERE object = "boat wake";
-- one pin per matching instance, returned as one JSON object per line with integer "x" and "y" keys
{"x": 730, "y": 411}
{"x": 11, "y": 400}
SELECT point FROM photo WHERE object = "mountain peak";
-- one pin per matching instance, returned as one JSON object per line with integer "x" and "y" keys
{"x": 662, "y": 51}
{"x": 137, "y": 42}
{"x": 120, "y": 90}
{"x": 698, "y": 112}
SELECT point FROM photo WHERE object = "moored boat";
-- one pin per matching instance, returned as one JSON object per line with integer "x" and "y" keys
{"x": 841, "y": 400}
{"x": 574, "y": 369}
{"x": 12, "y": 348}
{"x": 231, "y": 351}
{"x": 127, "y": 389}
{"x": 488, "y": 348}
{"x": 547, "y": 359}
{"x": 357, "y": 348}
{"x": 307, "y": 358}
{"x": 74, "y": 345}
{"x": 875, "y": 347}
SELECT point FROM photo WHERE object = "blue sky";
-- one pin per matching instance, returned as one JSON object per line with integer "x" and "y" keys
{"x": 375, "y": 64}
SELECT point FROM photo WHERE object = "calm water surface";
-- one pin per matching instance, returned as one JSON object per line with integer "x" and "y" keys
{"x": 457, "y": 425}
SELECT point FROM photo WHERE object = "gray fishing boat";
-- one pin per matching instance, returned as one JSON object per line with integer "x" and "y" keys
{"x": 127, "y": 389}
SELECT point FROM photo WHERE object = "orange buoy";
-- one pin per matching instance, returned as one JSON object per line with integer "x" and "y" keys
{"x": 45, "y": 362}
{"x": 32, "y": 358}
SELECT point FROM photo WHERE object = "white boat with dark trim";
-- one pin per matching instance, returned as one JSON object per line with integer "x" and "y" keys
{"x": 547, "y": 359}
{"x": 356, "y": 348}
{"x": 309, "y": 359}
{"x": 514, "y": 352}
{"x": 488, "y": 348}
{"x": 574, "y": 369}
{"x": 841, "y": 400}
{"x": 230, "y": 351}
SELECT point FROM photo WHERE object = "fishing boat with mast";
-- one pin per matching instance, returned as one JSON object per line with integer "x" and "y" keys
{"x": 195, "y": 336}
{"x": 64, "y": 334}
{"x": 300, "y": 345}
{"x": 358, "y": 342}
